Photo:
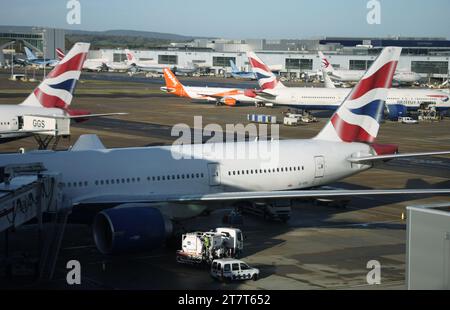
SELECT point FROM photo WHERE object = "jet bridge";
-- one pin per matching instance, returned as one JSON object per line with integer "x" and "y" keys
{"x": 29, "y": 193}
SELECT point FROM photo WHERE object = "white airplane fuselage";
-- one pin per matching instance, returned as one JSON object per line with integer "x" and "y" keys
{"x": 300, "y": 164}
{"x": 10, "y": 118}
{"x": 347, "y": 75}
{"x": 202, "y": 93}
{"x": 331, "y": 98}
{"x": 407, "y": 77}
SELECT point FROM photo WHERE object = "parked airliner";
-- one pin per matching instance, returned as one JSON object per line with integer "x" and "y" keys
{"x": 52, "y": 98}
{"x": 99, "y": 64}
{"x": 152, "y": 185}
{"x": 219, "y": 95}
{"x": 40, "y": 62}
{"x": 401, "y": 76}
{"x": 238, "y": 74}
{"x": 144, "y": 66}
{"x": 398, "y": 100}
{"x": 340, "y": 75}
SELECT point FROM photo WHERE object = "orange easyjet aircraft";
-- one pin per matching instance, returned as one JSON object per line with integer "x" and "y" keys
{"x": 226, "y": 96}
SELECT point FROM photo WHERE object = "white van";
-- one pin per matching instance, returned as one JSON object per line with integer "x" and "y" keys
{"x": 229, "y": 269}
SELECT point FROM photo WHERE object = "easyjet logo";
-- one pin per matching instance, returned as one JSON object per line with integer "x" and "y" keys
{"x": 172, "y": 78}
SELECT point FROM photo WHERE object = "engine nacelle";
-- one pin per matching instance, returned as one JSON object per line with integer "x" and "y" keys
{"x": 229, "y": 101}
{"x": 130, "y": 228}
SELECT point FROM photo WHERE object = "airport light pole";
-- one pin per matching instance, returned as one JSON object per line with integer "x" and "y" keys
{"x": 12, "y": 63}
{"x": 44, "y": 48}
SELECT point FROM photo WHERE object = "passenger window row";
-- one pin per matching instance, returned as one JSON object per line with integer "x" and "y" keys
{"x": 176, "y": 177}
{"x": 270, "y": 170}
{"x": 136, "y": 180}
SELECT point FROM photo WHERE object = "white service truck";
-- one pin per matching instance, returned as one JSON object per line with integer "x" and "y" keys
{"x": 204, "y": 247}
{"x": 407, "y": 120}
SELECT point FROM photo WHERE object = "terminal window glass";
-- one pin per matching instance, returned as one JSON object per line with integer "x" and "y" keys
{"x": 429, "y": 67}
{"x": 360, "y": 64}
{"x": 299, "y": 64}
{"x": 119, "y": 57}
{"x": 223, "y": 61}
{"x": 167, "y": 59}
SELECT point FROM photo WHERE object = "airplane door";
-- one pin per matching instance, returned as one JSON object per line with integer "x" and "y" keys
{"x": 214, "y": 174}
{"x": 320, "y": 166}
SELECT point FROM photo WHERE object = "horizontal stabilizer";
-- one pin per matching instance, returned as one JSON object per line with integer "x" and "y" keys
{"x": 369, "y": 159}
{"x": 95, "y": 115}
{"x": 82, "y": 116}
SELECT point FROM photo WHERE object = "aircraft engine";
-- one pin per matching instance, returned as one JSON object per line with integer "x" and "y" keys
{"x": 229, "y": 101}
{"x": 130, "y": 228}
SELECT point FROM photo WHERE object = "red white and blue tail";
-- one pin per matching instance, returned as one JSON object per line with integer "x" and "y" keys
{"x": 56, "y": 90}
{"x": 358, "y": 117}
{"x": 60, "y": 54}
{"x": 266, "y": 78}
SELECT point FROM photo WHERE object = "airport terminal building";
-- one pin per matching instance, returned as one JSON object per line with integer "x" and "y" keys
{"x": 429, "y": 57}
{"x": 42, "y": 41}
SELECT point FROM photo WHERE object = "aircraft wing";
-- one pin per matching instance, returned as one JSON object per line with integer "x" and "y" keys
{"x": 266, "y": 94}
{"x": 78, "y": 116}
{"x": 211, "y": 95}
{"x": 265, "y": 195}
{"x": 26, "y": 131}
{"x": 369, "y": 159}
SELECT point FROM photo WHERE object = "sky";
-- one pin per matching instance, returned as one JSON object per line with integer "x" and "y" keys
{"x": 240, "y": 19}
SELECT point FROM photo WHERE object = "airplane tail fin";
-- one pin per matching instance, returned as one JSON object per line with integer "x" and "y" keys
{"x": 233, "y": 66}
{"x": 56, "y": 90}
{"x": 173, "y": 85}
{"x": 326, "y": 65}
{"x": 30, "y": 54}
{"x": 265, "y": 77}
{"x": 327, "y": 80}
{"x": 59, "y": 54}
{"x": 130, "y": 56}
{"x": 358, "y": 117}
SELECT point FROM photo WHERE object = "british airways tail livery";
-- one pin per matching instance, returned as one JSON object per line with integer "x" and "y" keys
{"x": 358, "y": 117}
{"x": 56, "y": 91}
{"x": 60, "y": 54}
{"x": 265, "y": 77}
{"x": 51, "y": 99}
